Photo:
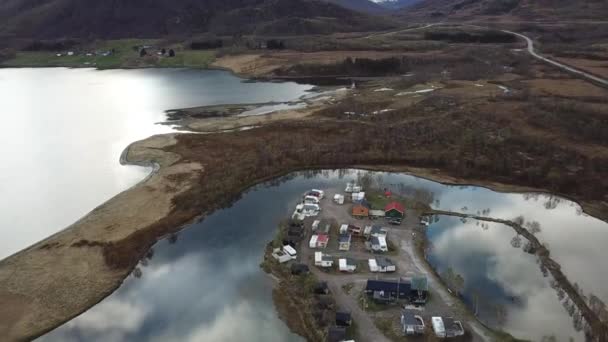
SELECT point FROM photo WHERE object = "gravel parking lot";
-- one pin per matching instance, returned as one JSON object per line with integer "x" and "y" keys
{"x": 347, "y": 287}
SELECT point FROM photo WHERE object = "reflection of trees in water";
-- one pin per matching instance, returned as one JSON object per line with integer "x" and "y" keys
{"x": 144, "y": 262}
{"x": 516, "y": 241}
{"x": 454, "y": 280}
{"x": 552, "y": 202}
{"x": 483, "y": 212}
{"x": 173, "y": 238}
{"x": 578, "y": 321}
{"x": 487, "y": 309}
{"x": 549, "y": 201}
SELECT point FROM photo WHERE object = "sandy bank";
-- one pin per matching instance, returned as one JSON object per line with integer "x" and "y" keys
{"x": 56, "y": 279}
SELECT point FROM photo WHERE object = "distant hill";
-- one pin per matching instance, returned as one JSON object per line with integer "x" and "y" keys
{"x": 524, "y": 9}
{"x": 47, "y": 19}
{"x": 365, "y": 6}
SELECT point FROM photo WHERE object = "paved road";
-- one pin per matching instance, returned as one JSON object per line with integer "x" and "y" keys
{"x": 565, "y": 67}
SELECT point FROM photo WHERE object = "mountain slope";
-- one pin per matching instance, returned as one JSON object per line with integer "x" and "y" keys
{"x": 524, "y": 9}
{"x": 43, "y": 19}
{"x": 364, "y": 6}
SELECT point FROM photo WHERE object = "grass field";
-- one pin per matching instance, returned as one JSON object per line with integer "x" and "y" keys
{"x": 126, "y": 55}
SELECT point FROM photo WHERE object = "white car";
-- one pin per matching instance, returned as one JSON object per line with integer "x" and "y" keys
{"x": 309, "y": 199}
{"x": 316, "y": 193}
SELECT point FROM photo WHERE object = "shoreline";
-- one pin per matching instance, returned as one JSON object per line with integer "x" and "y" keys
{"x": 118, "y": 276}
{"x": 76, "y": 259}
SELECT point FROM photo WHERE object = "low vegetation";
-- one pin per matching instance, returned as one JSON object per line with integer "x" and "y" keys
{"x": 107, "y": 54}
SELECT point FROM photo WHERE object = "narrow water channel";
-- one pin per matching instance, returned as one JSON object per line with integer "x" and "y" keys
{"x": 208, "y": 277}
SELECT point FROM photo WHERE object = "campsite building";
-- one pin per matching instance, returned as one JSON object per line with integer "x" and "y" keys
{"x": 323, "y": 260}
{"x": 382, "y": 265}
{"x": 347, "y": 265}
{"x": 361, "y": 209}
{"x": 321, "y": 226}
{"x": 447, "y": 327}
{"x": 386, "y": 291}
{"x": 375, "y": 230}
{"x": 411, "y": 323}
{"x": 344, "y": 242}
{"x": 420, "y": 290}
{"x": 322, "y": 240}
{"x": 377, "y": 244}
{"x": 394, "y": 211}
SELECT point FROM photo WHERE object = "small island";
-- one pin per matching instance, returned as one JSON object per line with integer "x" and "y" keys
{"x": 348, "y": 265}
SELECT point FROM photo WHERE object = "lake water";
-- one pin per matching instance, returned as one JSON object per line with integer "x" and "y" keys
{"x": 202, "y": 285}
{"x": 64, "y": 131}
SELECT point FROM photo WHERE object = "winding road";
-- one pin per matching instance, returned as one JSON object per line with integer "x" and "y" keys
{"x": 557, "y": 64}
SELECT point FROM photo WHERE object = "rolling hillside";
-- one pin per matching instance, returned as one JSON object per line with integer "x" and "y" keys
{"x": 46, "y": 19}
{"x": 365, "y": 6}
{"x": 523, "y": 9}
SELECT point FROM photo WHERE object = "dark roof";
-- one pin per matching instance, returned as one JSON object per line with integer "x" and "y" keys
{"x": 408, "y": 318}
{"x": 384, "y": 262}
{"x": 396, "y": 206}
{"x": 388, "y": 285}
{"x": 299, "y": 268}
{"x": 376, "y": 229}
{"x": 321, "y": 286}
{"x": 336, "y": 334}
{"x": 350, "y": 261}
{"x": 342, "y": 316}
{"x": 344, "y": 238}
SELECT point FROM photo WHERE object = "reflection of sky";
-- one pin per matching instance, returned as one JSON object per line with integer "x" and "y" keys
{"x": 211, "y": 278}
{"x": 66, "y": 128}
{"x": 499, "y": 274}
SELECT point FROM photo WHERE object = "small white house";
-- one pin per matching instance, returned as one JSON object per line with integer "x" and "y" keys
{"x": 347, "y": 265}
{"x": 313, "y": 241}
{"x": 323, "y": 260}
{"x": 290, "y": 251}
{"x": 70, "y": 53}
{"x": 352, "y": 187}
{"x": 285, "y": 254}
{"x": 339, "y": 199}
{"x": 344, "y": 229}
{"x": 381, "y": 265}
{"x": 358, "y": 196}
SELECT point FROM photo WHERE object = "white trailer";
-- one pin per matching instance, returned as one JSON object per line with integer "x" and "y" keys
{"x": 346, "y": 265}
{"x": 323, "y": 260}
{"x": 313, "y": 241}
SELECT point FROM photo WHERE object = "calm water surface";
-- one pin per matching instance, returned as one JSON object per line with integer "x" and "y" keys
{"x": 64, "y": 131}
{"x": 198, "y": 287}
